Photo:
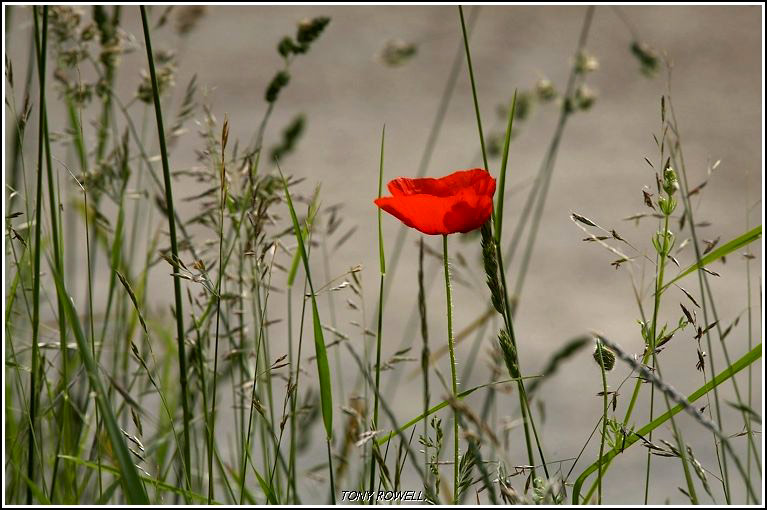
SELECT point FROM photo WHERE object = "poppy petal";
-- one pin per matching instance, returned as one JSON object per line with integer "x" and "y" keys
{"x": 437, "y": 215}
{"x": 459, "y": 202}
{"x": 476, "y": 178}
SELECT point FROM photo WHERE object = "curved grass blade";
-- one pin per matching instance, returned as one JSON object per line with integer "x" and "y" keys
{"x": 323, "y": 369}
{"x": 724, "y": 250}
{"x": 158, "y": 484}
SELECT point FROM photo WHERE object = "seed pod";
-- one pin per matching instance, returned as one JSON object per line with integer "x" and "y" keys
{"x": 604, "y": 356}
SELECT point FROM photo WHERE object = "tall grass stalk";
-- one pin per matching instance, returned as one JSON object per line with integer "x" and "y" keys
{"x": 180, "y": 333}
{"x": 41, "y": 43}
{"x": 64, "y": 421}
{"x": 222, "y": 208}
{"x": 379, "y": 330}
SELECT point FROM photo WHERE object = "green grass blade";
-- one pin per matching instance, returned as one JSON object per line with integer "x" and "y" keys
{"x": 502, "y": 175}
{"x": 747, "y": 359}
{"x": 132, "y": 486}
{"x": 381, "y": 256}
{"x": 35, "y": 489}
{"x": 473, "y": 87}
{"x": 268, "y": 492}
{"x": 724, "y": 250}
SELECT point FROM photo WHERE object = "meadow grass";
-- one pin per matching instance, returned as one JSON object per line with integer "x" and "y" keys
{"x": 212, "y": 397}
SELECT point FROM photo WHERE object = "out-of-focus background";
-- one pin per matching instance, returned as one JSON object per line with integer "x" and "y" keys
{"x": 347, "y": 94}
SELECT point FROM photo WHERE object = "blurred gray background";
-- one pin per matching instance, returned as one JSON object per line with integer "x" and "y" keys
{"x": 347, "y": 94}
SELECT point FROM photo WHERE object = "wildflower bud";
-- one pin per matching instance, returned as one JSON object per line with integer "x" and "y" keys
{"x": 494, "y": 144}
{"x": 309, "y": 30}
{"x": 397, "y": 52}
{"x": 667, "y": 205}
{"x": 545, "y": 90}
{"x": 278, "y": 82}
{"x": 81, "y": 93}
{"x": 165, "y": 80}
{"x": 670, "y": 182}
{"x": 286, "y": 47}
{"x": 604, "y": 356}
{"x": 648, "y": 60}
{"x": 188, "y": 17}
{"x": 584, "y": 97}
{"x": 567, "y": 105}
{"x": 585, "y": 63}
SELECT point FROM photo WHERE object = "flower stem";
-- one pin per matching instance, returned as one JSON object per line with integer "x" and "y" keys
{"x": 452, "y": 367}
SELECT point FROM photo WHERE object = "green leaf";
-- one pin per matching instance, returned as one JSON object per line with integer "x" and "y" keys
{"x": 724, "y": 250}
{"x": 323, "y": 370}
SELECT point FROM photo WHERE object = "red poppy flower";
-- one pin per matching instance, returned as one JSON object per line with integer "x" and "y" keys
{"x": 459, "y": 202}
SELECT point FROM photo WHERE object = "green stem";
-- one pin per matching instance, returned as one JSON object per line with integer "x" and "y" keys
{"x": 604, "y": 418}
{"x": 658, "y": 292}
{"x": 453, "y": 377}
{"x": 171, "y": 213}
